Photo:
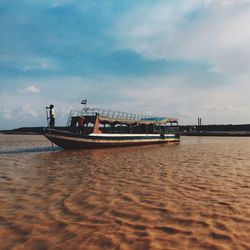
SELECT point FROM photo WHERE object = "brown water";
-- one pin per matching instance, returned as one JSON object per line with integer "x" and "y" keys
{"x": 195, "y": 195}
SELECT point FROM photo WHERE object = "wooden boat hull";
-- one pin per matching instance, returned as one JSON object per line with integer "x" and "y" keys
{"x": 68, "y": 140}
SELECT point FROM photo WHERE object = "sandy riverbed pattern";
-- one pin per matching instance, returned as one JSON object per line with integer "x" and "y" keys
{"x": 195, "y": 195}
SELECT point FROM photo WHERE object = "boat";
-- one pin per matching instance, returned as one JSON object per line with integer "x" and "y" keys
{"x": 99, "y": 128}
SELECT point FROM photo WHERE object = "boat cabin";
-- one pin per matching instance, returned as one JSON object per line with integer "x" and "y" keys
{"x": 92, "y": 120}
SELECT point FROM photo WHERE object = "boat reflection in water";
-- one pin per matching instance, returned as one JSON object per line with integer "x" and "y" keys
{"x": 95, "y": 128}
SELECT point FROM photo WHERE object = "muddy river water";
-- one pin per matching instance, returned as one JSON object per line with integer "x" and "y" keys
{"x": 195, "y": 195}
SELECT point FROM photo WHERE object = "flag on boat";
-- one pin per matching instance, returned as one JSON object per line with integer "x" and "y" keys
{"x": 84, "y": 101}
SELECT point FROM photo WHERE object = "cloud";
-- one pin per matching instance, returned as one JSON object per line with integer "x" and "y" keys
{"x": 162, "y": 95}
{"x": 13, "y": 115}
{"x": 19, "y": 110}
{"x": 5, "y": 113}
{"x": 31, "y": 89}
{"x": 176, "y": 58}
{"x": 27, "y": 111}
{"x": 41, "y": 65}
{"x": 215, "y": 32}
{"x": 24, "y": 64}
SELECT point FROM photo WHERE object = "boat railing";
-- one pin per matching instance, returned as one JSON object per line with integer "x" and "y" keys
{"x": 112, "y": 114}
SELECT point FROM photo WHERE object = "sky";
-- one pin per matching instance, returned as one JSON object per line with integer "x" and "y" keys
{"x": 174, "y": 58}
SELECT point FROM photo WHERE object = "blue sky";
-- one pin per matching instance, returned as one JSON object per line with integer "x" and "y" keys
{"x": 184, "y": 59}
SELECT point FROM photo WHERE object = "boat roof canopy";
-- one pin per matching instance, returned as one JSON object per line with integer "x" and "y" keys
{"x": 118, "y": 117}
{"x": 129, "y": 121}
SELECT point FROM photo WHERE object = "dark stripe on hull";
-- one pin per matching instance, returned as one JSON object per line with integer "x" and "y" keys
{"x": 74, "y": 141}
{"x": 81, "y": 136}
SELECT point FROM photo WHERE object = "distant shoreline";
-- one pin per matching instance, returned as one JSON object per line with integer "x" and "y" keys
{"x": 217, "y": 133}
{"x": 19, "y": 133}
{"x": 23, "y": 130}
{"x": 216, "y": 130}
{"x": 188, "y": 130}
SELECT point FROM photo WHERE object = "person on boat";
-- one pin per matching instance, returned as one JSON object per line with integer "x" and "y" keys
{"x": 80, "y": 125}
{"x": 52, "y": 116}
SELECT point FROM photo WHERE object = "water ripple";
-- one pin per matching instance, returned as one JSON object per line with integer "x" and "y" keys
{"x": 192, "y": 196}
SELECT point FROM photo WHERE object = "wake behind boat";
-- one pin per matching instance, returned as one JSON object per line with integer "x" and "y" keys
{"x": 97, "y": 128}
